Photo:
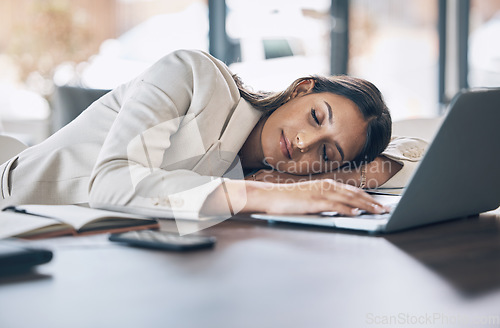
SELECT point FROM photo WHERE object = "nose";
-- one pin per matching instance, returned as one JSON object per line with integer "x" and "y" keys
{"x": 304, "y": 141}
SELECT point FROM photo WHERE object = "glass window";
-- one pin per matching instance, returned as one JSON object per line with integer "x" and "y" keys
{"x": 89, "y": 43}
{"x": 278, "y": 41}
{"x": 484, "y": 47}
{"x": 394, "y": 44}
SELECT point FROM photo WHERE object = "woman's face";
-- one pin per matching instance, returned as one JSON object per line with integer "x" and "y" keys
{"x": 313, "y": 133}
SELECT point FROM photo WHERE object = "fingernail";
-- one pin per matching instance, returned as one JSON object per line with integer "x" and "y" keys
{"x": 378, "y": 209}
{"x": 355, "y": 211}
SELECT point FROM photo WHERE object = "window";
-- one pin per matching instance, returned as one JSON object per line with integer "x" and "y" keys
{"x": 394, "y": 44}
{"x": 278, "y": 40}
{"x": 89, "y": 43}
{"x": 484, "y": 48}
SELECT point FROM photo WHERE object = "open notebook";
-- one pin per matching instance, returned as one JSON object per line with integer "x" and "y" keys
{"x": 44, "y": 221}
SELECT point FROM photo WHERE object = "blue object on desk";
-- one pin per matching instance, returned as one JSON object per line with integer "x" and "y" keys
{"x": 16, "y": 256}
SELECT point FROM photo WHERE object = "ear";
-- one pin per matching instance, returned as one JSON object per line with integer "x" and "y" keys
{"x": 303, "y": 88}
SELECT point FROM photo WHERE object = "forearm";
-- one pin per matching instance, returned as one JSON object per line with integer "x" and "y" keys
{"x": 377, "y": 173}
{"x": 239, "y": 195}
{"x": 306, "y": 197}
{"x": 380, "y": 171}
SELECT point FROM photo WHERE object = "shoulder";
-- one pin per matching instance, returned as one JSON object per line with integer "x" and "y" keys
{"x": 189, "y": 57}
{"x": 197, "y": 68}
{"x": 194, "y": 56}
{"x": 194, "y": 60}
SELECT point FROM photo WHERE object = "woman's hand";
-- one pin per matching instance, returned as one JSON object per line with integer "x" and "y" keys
{"x": 308, "y": 197}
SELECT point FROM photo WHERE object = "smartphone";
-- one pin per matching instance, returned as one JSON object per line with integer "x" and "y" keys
{"x": 163, "y": 240}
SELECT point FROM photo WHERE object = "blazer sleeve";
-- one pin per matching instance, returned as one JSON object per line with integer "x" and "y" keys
{"x": 153, "y": 107}
{"x": 407, "y": 152}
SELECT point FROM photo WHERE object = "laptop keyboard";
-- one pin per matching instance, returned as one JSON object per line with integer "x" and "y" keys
{"x": 363, "y": 214}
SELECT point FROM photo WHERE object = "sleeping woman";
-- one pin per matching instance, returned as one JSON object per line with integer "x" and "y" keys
{"x": 187, "y": 136}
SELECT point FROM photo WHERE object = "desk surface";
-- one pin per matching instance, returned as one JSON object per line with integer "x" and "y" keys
{"x": 261, "y": 275}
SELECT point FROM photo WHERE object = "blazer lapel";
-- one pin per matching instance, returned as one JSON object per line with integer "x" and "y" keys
{"x": 221, "y": 154}
{"x": 242, "y": 122}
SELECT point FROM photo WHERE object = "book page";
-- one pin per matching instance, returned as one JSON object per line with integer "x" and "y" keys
{"x": 13, "y": 224}
{"x": 77, "y": 216}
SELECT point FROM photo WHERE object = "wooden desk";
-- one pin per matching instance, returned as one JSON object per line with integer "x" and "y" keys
{"x": 262, "y": 275}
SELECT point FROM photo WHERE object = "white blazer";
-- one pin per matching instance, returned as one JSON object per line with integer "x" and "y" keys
{"x": 156, "y": 142}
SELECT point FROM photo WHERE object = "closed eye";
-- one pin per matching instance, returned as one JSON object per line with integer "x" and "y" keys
{"x": 325, "y": 157}
{"x": 313, "y": 114}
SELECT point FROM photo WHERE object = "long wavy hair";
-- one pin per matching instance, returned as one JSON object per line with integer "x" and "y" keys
{"x": 363, "y": 93}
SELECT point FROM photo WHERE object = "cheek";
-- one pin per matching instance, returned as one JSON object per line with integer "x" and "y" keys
{"x": 268, "y": 151}
{"x": 267, "y": 139}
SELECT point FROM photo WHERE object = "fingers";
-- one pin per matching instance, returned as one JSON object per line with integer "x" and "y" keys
{"x": 356, "y": 197}
{"x": 340, "y": 208}
{"x": 317, "y": 196}
{"x": 349, "y": 200}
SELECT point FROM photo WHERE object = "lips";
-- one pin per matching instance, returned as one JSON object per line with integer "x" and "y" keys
{"x": 285, "y": 146}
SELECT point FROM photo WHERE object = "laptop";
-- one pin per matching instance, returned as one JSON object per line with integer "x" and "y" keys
{"x": 458, "y": 176}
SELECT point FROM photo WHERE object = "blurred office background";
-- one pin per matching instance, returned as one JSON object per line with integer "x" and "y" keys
{"x": 418, "y": 52}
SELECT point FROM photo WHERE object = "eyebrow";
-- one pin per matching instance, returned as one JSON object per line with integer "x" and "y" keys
{"x": 330, "y": 116}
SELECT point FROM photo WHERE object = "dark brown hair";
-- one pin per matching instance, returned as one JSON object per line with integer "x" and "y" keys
{"x": 363, "y": 93}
